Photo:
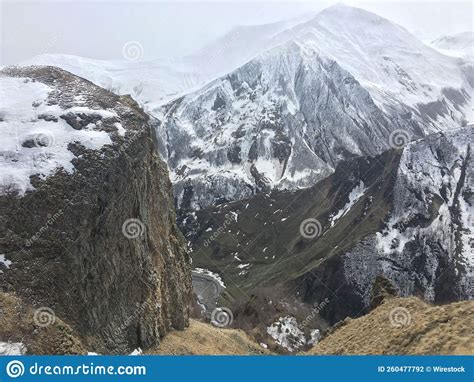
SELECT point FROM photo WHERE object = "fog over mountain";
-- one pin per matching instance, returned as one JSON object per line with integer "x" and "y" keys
{"x": 47, "y": 26}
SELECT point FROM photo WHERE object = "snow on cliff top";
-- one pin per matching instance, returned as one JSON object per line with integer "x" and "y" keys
{"x": 34, "y": 137}
{"x": 149, "y": 82}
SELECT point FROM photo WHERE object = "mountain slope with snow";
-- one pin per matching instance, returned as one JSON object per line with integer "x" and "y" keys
{"x": 301, "y": 96}
{"x": 405, "y": 214}
{"x": 386, "y": 59}
{"x": 457, "y": 45}
{"x": 149, "y": 82}
{"x": 41, "y": 133}
{"x": 343, "y": 84}
{"x": 281, "y": 121}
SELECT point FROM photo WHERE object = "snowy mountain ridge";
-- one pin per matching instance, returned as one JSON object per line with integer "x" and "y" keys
{"x": 156, "y": 82}
{"x": 41, "y": 134}
{"x": 456, "y": 45}
{"x": 283, "y": 120}
{"x": 305, "y": 95}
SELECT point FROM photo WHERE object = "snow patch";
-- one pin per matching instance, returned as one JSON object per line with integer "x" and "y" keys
{"x": 356, "y": 193}
{"x": 31, "y": 145}
{"x": 5, "y": 262}
{"x": 12, "y": 348}
{"x": 206, "y": 272}
{"x": 287, "y": 333}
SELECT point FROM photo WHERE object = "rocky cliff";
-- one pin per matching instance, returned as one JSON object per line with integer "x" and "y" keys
{"x": 88, "y": 228}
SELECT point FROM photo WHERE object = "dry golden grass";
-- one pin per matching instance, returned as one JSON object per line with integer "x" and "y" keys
{"x": 427, "y": 329}
{"x": 201, "y": 338}
{"x": 18, "y": 325}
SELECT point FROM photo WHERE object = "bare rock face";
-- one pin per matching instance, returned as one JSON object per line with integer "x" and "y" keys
{"x": 381, "y": 290}
{"x": 90, "y": 232}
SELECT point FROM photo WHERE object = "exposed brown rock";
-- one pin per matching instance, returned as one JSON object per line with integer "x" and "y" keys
{"x": 66, "y": 242}
{"x": 381, "y": 289}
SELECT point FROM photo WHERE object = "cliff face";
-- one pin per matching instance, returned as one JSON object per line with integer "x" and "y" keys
{"x": 87, "y": 213}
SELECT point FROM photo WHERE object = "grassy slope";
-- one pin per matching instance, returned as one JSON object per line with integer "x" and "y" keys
{"x": 17, "y": 324}
{"x": 201, "y": 338}
{"x": 445, "y": 329}
{"x": 260, "y": 225}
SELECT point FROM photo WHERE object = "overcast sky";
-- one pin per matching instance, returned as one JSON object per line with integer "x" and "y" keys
{"x": 165, "y": 29}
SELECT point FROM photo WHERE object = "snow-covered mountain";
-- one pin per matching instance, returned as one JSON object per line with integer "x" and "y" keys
{"x": 154, "y": 82}
{"x": 342, "y": 84}
{"x": 457, "y": 45}
{"x": 149, "y": 82}
{"x": 428, "y": 239}
{"x": 385, "y": 58}
{"x": 279, "y": 105}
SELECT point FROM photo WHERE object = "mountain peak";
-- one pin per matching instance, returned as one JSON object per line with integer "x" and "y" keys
{"x": 344, "y": 9}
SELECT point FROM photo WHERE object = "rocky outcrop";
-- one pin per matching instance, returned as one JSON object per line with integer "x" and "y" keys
{"x": 426, "y": 244}
{"x": 88, "y": 228}
{"x": 381, "y": 290}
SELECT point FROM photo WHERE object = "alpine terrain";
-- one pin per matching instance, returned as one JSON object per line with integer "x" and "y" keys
{"x": 292, "y": 184}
